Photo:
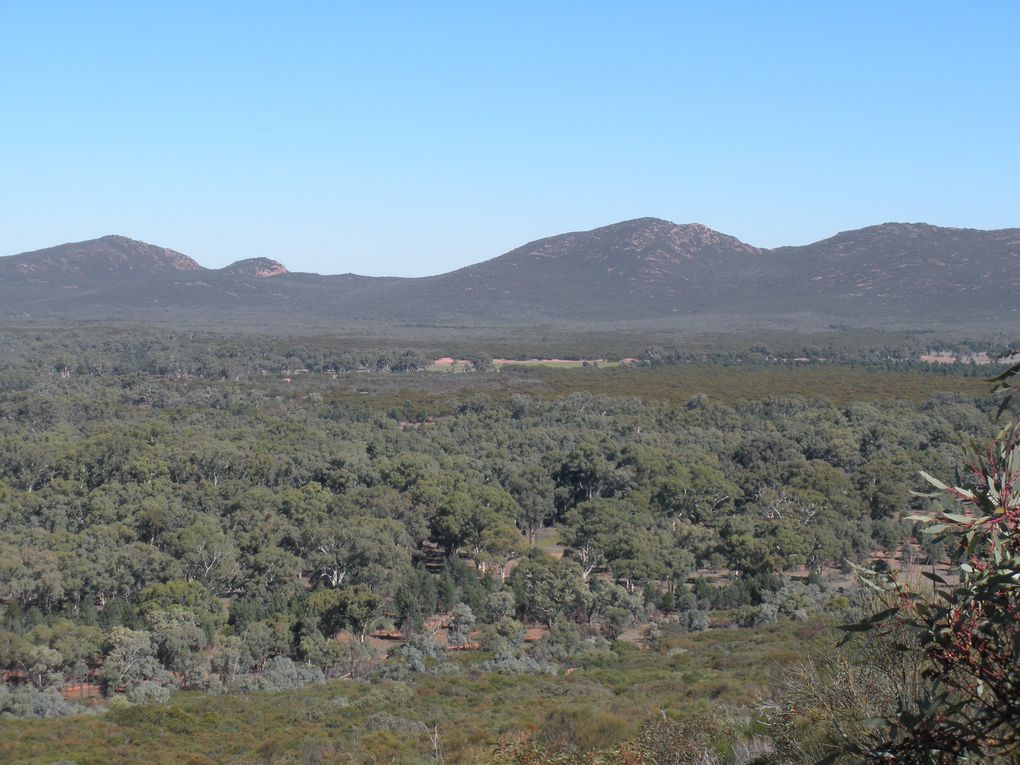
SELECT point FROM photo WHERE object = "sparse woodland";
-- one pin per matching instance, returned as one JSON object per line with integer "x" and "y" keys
{"x": 231, "y": 515}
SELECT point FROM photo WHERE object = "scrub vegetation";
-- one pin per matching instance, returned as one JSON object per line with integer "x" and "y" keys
{"x": 244, "y": 549}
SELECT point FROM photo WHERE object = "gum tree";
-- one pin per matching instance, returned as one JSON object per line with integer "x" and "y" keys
{"x": 966, "y": 633}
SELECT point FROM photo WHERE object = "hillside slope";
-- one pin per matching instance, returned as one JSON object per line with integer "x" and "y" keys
{"x": 644, "y": 270}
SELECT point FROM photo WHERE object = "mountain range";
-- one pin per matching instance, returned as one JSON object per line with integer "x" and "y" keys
{"x": 640, "y": 271}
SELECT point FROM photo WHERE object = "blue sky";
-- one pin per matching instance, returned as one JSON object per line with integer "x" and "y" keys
{"x": 409, "y": 139}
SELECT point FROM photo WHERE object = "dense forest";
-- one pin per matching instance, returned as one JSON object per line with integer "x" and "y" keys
{"x": 231, "y": 514}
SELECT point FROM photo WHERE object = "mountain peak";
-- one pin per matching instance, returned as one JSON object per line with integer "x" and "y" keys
{"x": 896, "y": 228}
{"x": 657, "y": 225}
{"x": 903, "y": 274}
{"x": 115, "y": 238}
{"x": 107, "y": 259}
{"x": 897, "y": 239}
{"x": 643, "y": 262}
{"x": 262, "y": 268}
{"x": 664, "y": 239}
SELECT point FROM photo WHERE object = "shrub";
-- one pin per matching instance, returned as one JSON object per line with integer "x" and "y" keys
{"x": 965, "y": 636}
{"x": 756, "y": 616}
{"x": 280, "y": 674}
{"x": 420, "y": 653}
{"x": 696, "y": 620}
{"x": 461, "y": 621}
{"x": 28, "y": 701}
{"x": 148, "y": 692}
{"x": 513, "y": 660}
{"x": 686, "y": 740}
{"x": 565, "y": 644}
{"x": 584, "y": 728}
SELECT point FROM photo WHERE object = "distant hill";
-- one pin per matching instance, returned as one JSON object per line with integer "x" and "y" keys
{"x": 908, "y": 269}
{"x": 262, "y": 268}
{"x": 100, "y": 261}
{"x": 639, "y": 271}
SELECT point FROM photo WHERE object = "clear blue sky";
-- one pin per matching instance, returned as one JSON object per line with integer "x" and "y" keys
{"x": 409, "y": 139}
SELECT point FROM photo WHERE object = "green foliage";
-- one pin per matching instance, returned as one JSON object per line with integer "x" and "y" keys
{"x": 130, "y": 660}
{"x": 182, "y": 510}
{"x": 462, "y": 620}
{"x": 416, "y": 597}
{"x": 964, "y": 635}
{"x": 356, "y": 607}
{"x": 279, "y": 673}
{"x": 419, "y": 653}
{"x": 547, "y": 588}
{"x": 29, "y": 701}
{"x": 584, "y": 729}
{"x": 720, "y": 671}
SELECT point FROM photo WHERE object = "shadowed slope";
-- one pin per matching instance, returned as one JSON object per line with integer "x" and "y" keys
{"x": 639, "y": 270}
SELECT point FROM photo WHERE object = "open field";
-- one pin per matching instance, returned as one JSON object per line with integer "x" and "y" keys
{"x": 435, "y": 394}
{"x": 447, "y": 364}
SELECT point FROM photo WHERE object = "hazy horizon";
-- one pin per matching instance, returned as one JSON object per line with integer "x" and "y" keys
{"x": 220, "y": 264}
